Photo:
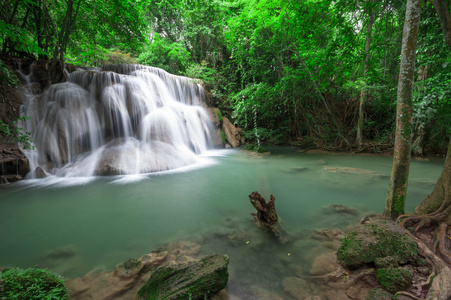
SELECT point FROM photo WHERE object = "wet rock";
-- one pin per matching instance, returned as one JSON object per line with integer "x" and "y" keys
{"x": 328, "y": 234}
{"x": 297, "y": 170}
{"x": 233, "y": 133}
{"x": 262, "y": 294}
{"x": 423, "y": 159}
{"x": 64, "y": 259}
{"x": 359, "y": 290}
{"x": 386, "y": 262}
{"x": 154, "y": 259}
{"x": 63, "y": 252}
{"x": 379, "y": 294}
{"x": 369, "y": 242}
{"x": 122, "y": 283}
{"x": 394, "y": 279}
{"x": 40, "y": 173}
{"x": 14, "y": 165}
{"x": 336, "y": 295}
{"x": 188, "y": 248}
{"x": 129, "y": 268}
{"x": 297, "y": 288}
{"x": 324, "y": 264}
{"x": 216, "y": 137}
{"x": 351, "y": 171}
{"x": 10, "y": 178}
{"x": 190, "y": 279}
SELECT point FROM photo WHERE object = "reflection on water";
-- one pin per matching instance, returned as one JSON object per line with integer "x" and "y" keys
{"x": 75, "y": 225}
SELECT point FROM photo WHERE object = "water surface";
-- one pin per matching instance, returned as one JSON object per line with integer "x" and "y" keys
{"x": 102, "y": 221}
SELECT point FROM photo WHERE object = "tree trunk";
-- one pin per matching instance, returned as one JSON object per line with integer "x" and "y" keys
{"x": 363, "y": 92}
{"x": 442, "y": 9}
{"x": 394, "y": 204}
{"x": 441, "y": 192}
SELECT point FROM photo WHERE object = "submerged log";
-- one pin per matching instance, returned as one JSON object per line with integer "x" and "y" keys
{"x": 266, "y": 215}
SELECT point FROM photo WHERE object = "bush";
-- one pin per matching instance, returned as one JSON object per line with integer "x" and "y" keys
{"x": 15, "y": 133}
{"x": 32, "y": 283}
{"x": 7, "y": 77}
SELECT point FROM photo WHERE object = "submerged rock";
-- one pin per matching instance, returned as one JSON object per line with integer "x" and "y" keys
{"x": 297, "y": 288}
{"x": 324, "y": 264}
{"x": 129, "y": 268}
{"x": 339, "y": 209}
{"x": 370, "y": 242}
{"x": 187, "y": 279}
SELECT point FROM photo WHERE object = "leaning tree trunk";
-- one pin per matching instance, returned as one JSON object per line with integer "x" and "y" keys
{"x": 441, "y": 195}
{"x": 394, "y": 204}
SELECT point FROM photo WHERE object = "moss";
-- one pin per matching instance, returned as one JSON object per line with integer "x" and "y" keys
{"x": 421, "y": 262}
{"x": 394, "y": 279}
{"x": 190, "y": 280}
{"x": 223, "y": 137}
{"x": 220, "y": 116}
{"x": 371, "y": 242}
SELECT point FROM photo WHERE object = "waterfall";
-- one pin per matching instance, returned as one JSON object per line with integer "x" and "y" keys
{"x": 117, "y": 119}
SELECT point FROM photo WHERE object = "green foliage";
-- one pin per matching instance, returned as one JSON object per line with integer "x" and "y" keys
{"x": 203, "y": 72}
{"x": 12, "y": 132}
{"x": 51, "y": 29}
{"x": 220, "y": 116}
{"x": 101, "y": 56}
{"x": 172, "y": 57}
{"x": 7, "y": 77}
{"x": 257, "y": 148}
{"x": 32, "y": 283}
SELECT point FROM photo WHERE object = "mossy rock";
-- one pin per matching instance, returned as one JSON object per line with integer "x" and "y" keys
{"x": 128, "y": 268}
{"x": 187, "y": 279}
{"x": 379, "y": 294}
{"x": 386, "y": 262}
{"x": 394, "y": 279}
{"x": 369, "y": 243}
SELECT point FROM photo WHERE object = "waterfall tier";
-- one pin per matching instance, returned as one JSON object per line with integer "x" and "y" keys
{"x": 117, "y": 119}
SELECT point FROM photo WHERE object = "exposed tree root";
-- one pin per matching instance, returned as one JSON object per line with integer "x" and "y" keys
{"x": 444, "y": 253}
{"x": 407, "y": 294}
{"x": 439, "y": 257}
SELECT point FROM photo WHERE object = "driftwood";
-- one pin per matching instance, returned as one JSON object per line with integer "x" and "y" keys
{"x": 266, "y": 215}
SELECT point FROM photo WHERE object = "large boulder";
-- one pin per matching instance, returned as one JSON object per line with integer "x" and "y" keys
{"x": 14, "y": 164}
{"x": 187, "y": 279}
{"x": 225, "y": 131}
{"x": 232, "y": 133}
{"x": 369, "y": 243}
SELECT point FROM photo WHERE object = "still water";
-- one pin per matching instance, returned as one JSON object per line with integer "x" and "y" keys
{"x": 105, "y": 220}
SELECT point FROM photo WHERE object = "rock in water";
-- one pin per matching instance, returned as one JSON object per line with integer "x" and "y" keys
{"x": 187, "y": 280}
{"x": 369, "y": 243}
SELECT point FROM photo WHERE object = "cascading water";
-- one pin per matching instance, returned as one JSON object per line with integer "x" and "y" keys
{"x": 119, "y": 119}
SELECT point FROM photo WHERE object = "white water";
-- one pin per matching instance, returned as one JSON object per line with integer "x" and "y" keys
{"x": 120, "y": 119}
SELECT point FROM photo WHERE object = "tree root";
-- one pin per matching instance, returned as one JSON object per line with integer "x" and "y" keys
{"x": 439, "y": 257}
{"x": 406, "y": 294}
{"x": 441, "y": 241}
{"x": 441, "y": 285}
